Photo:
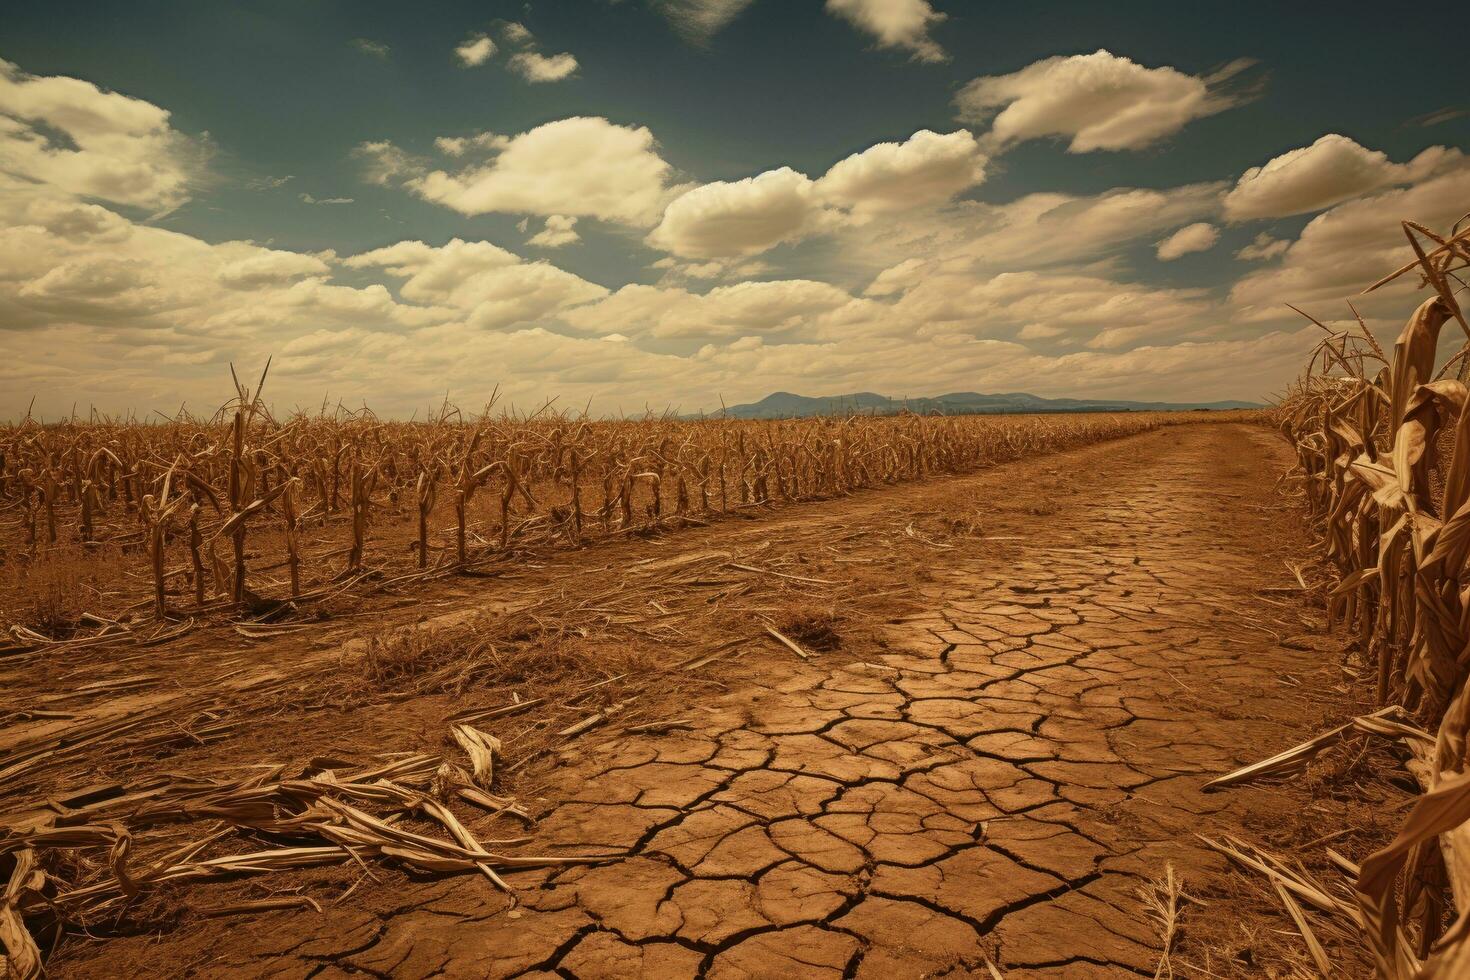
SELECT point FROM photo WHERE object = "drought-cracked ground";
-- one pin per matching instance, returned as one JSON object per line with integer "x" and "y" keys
{"x": 990, "y": 779}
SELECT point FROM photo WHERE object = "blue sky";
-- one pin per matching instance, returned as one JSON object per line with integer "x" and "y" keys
{"x": 1019, "y": 248}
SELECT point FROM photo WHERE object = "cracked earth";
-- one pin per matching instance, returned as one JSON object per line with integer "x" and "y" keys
{"x": 989, "y": 781}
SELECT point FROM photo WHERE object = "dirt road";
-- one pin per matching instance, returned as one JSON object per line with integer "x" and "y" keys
{"x": 991, "y": 776}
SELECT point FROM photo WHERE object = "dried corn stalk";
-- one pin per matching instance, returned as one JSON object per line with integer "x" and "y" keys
{"x": 1383, "y": 449}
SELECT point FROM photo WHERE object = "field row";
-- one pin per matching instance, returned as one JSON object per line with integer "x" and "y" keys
{"x": 103, "y": 522}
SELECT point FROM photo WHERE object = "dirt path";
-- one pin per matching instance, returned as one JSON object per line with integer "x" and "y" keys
{"x": 991, "y": 778}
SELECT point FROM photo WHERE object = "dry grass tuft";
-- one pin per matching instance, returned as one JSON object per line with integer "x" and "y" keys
{"x": 53, "y": 594}
{"x": 1162, "y": 898}
{"x": 403, "y": 656}
{"x": 814, "y": 628}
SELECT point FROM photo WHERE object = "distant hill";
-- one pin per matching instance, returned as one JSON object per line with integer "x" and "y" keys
{"x": 784, "y": 404}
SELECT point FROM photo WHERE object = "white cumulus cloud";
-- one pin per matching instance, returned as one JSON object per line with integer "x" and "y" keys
{"x": 584, "y": 166}
{"x": 458, "y": 146}
{"x": 1263, "y": 248}
{"x": 385, "y": 164}
{"x": 725, "y": 219}
{"x": 560, "y": 230}
{"x": 68, "y": 262}
{"x": 494, "y": 288}
{"x": 536, "y": 67}
{"x": 925, "y": 169}
{"x": 1348, "y": 247}
{"x": 1100, "y": 101}
{"x": 77, "y": 138}
{"x": 894, "y": 23}
{"x": 742, "y": 217}
{"x": 474, "y": 50}
{"x": 1330, "y": 171}
{"x": 1198, "y": 237}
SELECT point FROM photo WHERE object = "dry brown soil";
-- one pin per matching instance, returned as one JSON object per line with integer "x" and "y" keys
{"x": 1036, "y": 669}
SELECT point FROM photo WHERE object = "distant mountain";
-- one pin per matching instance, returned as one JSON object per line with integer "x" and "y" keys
{"x": 784, "y": 404}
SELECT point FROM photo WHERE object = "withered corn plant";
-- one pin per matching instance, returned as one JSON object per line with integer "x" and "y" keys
{"x": 1383, "y": 444}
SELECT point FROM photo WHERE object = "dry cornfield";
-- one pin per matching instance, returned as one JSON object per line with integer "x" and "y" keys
{"x": 250, "y": 517}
